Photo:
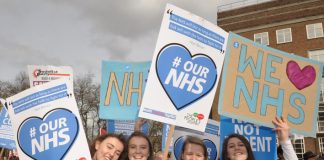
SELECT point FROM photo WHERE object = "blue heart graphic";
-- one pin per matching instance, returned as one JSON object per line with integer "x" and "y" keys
{"x": 185, "y": 78}
{"x": 211, "y": 148}
{"x": 48, "y": 138}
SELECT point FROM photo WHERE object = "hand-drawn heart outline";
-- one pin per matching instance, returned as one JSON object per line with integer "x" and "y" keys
{"x": 179, "y": 107}
{"x": 300, "y": 78}
{"x": 44, "y": 118}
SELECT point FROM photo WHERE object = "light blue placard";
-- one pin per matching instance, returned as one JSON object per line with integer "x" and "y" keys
{"x": 262, "y": 139}
{"x": 122, "y": 88}
{"x": 6, "y": 131}
{"x": 125, "y": 127}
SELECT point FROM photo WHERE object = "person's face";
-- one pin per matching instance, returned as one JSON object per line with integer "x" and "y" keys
{"x": 236, "y": 149}
{"x": 193, "y": 152}
{"x": 138, "y": 149}
{"x": 108, "y": 149}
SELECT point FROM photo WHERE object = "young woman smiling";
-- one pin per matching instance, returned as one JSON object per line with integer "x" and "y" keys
{"x": 139, "y": 147}
{"x": 107, "y": 147}
{"x": 237, "y": 147}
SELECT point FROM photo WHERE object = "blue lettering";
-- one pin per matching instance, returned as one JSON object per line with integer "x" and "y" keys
{"x": 267, "y": 100}
{"x": 292, "y": 101}
{"x": 256, "y": 69}
{"x": 251, "y": 100}
{"x": 270, "y": 69}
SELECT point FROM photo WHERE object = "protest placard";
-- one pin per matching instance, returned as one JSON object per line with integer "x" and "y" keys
{"x": 211, "y": 139}
{"x": 6, "y": 131}
{"x": 262, "y": 139}
{"x": 39, "y": 74}
{"x": 47, "y": 123}
{"x": 185, "y": 69}
{"x": 125, "y": 127}
{"x": 122, "y": 88}
{"x": 260, "y": 83}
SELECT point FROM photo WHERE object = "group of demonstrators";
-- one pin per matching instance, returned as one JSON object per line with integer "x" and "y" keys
{"x": 178, "y": 85}
{"x": 138, "y": 146}
{"x": 113, "y": 147}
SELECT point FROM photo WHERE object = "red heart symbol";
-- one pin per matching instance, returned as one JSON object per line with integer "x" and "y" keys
{"x": 300, "y": 78}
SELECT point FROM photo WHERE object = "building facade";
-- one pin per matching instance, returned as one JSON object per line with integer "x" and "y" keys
{"x": 293, "y": 26}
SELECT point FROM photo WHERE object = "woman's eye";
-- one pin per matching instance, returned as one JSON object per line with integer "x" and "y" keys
{"x": 199, "y": 155}
{"x": 110, "y": 146}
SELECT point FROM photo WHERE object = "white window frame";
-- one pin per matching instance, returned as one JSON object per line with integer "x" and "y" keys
{"x": 282, "y": 32}
{"x": 318, "y": 55}
{"x": 321, "y": 143}
{"x": 261, "y": 34}
{"x": 312, "y": 28}
{"x": 320, "y": 123}
{"x": 302, "y": 144}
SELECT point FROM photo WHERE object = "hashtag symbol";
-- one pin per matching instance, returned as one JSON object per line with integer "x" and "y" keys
{"x": 32, "y": 132}
{"x": 176, "y": 62}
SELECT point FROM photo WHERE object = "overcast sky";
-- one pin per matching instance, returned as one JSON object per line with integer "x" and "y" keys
{"x": 83, "y": 33}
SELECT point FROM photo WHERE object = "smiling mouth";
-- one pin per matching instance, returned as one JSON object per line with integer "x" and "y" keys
{"x": 138, "y": 157}
{"x": 238, "y": 153}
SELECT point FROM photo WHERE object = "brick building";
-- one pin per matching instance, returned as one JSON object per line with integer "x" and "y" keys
{"x": 294, "y": 26}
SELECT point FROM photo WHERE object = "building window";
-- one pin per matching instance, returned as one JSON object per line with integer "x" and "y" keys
{"x": 321, "y": 144}
{"x": 320, "y": 120}
{"x": 284, "y": 35}
{"x": 318, "y": 55}
{"x": 262, "y": 38}
{"x": 314, "y": 30}
{"x": 299, "y": 147}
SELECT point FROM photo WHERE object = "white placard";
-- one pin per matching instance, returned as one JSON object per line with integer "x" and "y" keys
{"x": 185, "y": 70}
{"x": 39, "y": 74}
{"x": 47, "y": 123}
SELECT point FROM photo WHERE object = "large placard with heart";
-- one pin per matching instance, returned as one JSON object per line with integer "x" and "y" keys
{"x": 259, "y": 83}
{"x": 47, "y": 123}
{"x": 185, "y": 70}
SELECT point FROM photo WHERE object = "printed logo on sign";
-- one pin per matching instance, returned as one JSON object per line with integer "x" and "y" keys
{"x": 39, "y": 72}
{"x": 50, "y": 137}
{"x": 185, "y": 78}
{"x": 194, "y": 118}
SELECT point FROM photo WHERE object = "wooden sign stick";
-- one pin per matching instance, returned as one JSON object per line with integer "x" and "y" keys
{"x": 168, "y": 142}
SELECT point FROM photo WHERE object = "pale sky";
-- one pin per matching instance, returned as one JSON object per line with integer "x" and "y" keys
{"x": 83, "y": 33}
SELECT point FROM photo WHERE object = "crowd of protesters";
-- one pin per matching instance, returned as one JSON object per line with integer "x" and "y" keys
{"x": 235, "y": 147}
